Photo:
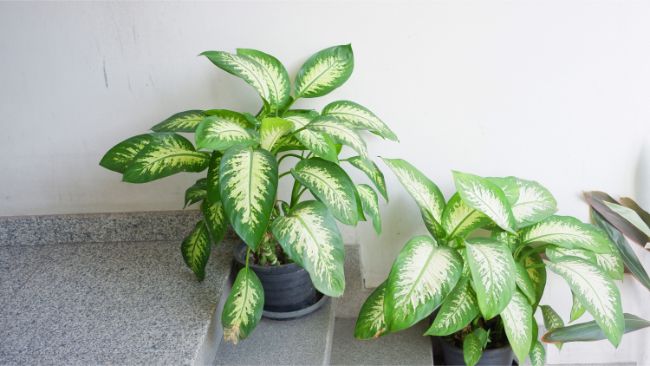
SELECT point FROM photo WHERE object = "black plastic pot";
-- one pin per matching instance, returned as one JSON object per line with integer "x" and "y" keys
{"x": 288, "y": 290}
{"x": 498, "y": 356}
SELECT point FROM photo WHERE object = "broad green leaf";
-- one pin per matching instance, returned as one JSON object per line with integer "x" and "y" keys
{"x": 370, "y": 204}
{"x": 319, "y": 143}
{"x": 340, "y": 133}
{"x": 484, "y": 196}
{"x": 310, "y": 237}
{"x": 551, "y": 320}
{"x": 597, "y": 293}
{"x": 473, "y": 346}
{"x": 631, "y": 216}
{"x": 212, "y": 182}
{"x": 272, "y": 130}
{"x": 163, "y": 157}
{"x": 492, "y": 269}
{"x": 530, "y": 201}
{"x": 331, "y": 185}
{"x": 275, "y": 75}
{"x": 248, "y": 181}
{"x": 458, "y": 219}
{"x": 611, "y": 263}
{"x": 371, "y": 322}
{"x": 372, "y": 172}
{"x": 324, "y": 71}
{"x": 566, "y": 232}
{"x": 537, "y": 354}
{"x": 425, "y": 193}
{"x": 537, "y": 273}
{"x": 243, "y": 308}
{"x": 181, "y": 122}
{"x": 421, "y": 277}
{"x": 215, "y": 219}
{"x": 525, "y": 283}
{"x": 196, "y": 250}
{"x": 121, "y": 155}
{"x": 457, "y": 311}
{"x": 577, "y": 310}
{"x": 196, "y": 192}
{"x": 224, "y": 130}
{"x": 518, "y": 320}
{"x": 591, "y": 331}
{"x": 358, "y": 117}
{"x": 288, "y": 143}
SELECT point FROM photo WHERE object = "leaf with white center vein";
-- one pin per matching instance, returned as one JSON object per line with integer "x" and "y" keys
{"x": 473, "y": 346}
{"x": 181, "y": 122}
{"x": 196, "y": 250}
{"x": 372, "y": 172}
{"x": 567, "y": 232}
{"x": 215, "y": 219}
{"x": 551, "y": 320}
{"x": 243, "y": 308}
{"x": 630, "y": 215}
{"x": 425, "y": 193}
{"x": 421, "y": 277}
{"x": 331, "y": 185}
{"x": 196, "y": 192}
{"x": 371, "y": 322}
{"x": 358, "y": 117}
{"x": 577, "y": 310}
{"x": 340, "y": 133}
{"x": 272, "y": 130}
{"x": 525, "y": 284}
{"x": 591, "y": 331}
{"x": 248, "y": 181}
{"x": 608, "y": 262}
{"x": 537, "y": 354}
{"x": 486, "y": 197}
{"x": 212, "y": 182}
{"x": 458, "y": 219}
{"x": 224, "y": 130}
{"x": 370, "y": 204}
{"x": 598, "y": 294}
{"x": 458, "y": 310}
{"x": 121, "y": 155}
{"x": 324, "y": 71}
{"x": 537, "y": 273}
{"x": 532, "y": 202}
{"x": 310, "y": 237}
{"x": 163, "y": 157}
{"x": 518, "y": 322}
{"x": 317, "y": 142}
{"x": 275, "y": 75}
{"x": 492, "y": 268}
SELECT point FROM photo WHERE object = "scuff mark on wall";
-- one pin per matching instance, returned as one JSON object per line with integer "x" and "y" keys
{"x": 105, "y": 74}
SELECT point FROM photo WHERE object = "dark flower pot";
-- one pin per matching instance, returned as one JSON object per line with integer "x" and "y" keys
{"x": 498, "y": 356}
{"x": 288, "y": 290}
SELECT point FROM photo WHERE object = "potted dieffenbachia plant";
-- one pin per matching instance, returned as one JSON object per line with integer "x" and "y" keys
{"x": 483, "y": 270}
{"x": 292, "y": 244}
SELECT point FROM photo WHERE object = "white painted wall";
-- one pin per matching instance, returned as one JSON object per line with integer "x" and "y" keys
{"x": 555, "y": 91}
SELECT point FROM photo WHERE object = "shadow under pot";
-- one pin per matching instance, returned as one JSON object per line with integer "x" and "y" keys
{"x": 496, "y": 356}
{"x": 288, "y": 290}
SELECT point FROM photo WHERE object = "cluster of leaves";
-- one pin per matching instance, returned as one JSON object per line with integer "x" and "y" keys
{"x": 500, "y": 276}
{"x": 242, "y": 154}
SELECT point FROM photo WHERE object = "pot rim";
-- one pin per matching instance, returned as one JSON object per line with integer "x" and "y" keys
{"x": 451, "y": 345}
{"x": 240, "y": 257}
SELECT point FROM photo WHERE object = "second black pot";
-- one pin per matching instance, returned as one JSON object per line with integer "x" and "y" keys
{"x": 497, "y": 356}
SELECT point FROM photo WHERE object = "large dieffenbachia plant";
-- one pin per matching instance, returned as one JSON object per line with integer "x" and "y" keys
{"x": 243, "y": 156}
{"x": 483, "y": 267}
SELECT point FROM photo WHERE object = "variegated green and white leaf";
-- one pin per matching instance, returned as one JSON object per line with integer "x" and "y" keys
{"x": 577, "y": 310}
{"x": 567, "y": 232}
{"x": 531, "y": 202}
{"x": 212, "y": 182}
{"x": 370, "y": 205}
{"x": 537, "y": 274}
{"x": 484, "y": 196}
{"x": 421, "y": 277}
{"x": 215, "y": 219}
{"x": 458, "y": 219}
{"x": 331, "y": 185}
{"x": 518, "y": 320}
{"x": 358, "y": 117}
{"x": 275, "y": 75}
{"x": 372, "y": 172}
{"x": 196, "y": 192}
{"x": 163, "y": 157}
{"x": 340, "y": 133}
{"x": 310, "y": 237}
{"x": 457, "y": 311}
{"x": 630, "y": 215}
{"x": 371, "y": 322}
{"x": 243, "y": 308}
{"x": 552, "y": 320}
{"x": 248, "y": 181}
{"x": 525, "y": 283}
{"x": 319, "y": 143}
{"x": 186, "y": 121}
{"x": 537, "y": 354}
{"x": 120, "y": 156}
{"x": 224, "y": 130}
{"x": 196, "y": 250}
{"x": 272, "y": 130}
{"x": 597, "y": 293}
{"x": 425, "y": 193}
{"x": 473, "y": 346}
{"x": 492, "y": 268}
{"x": 324, "y": 71}
{"x": 611, "y": 263}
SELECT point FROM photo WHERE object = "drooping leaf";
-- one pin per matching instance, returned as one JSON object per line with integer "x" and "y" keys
{"x": 458, "y": 219}
{"x": 181, "y": 122}
{"x": 551, "y": 320}
{"x": 340, "y": 133}
{"x": 275, "y": 75}
{"x": 358, "y": 117}
{"x": 212, "y": 180}
{"x": 196, "y": 192}
{"x": 567, "y": 232}
{"x": 324, "y": 71}
{"x": 525, "y": 283}
{"x": 537, "y": 354}
{"x": 309, "y": 236}
{"x": 317, "y": 142}
{"x": 591, "y": 331}
{"x": 331, "y": 185}
{"x": 518, "y": 320}
{"x": 371, "y": 322}
{"x": 530, "y": 201}
{"x": 631, "y": 216}
{"x": 248, "y": 181}
{"x": 597, "y": 201}
{"x": 484, "y": 196}
{"x": 421, "y": 277}
{"x": 473, "y": 346}
{"x": 243, "y": 308}
{"x": 577, "y": 310}
{"x": 196, "y": 250}
{"x": 372, "y": 172}
{"x": 425, "y": 193}
{"x": 370, "y": 205}
{"x": 215, "y": 219}
{"x": 121, "y": 155}
{"x": 272, "y": 130}
{"x": 223, "y": 130}
{"x": 492, "y": 268}
{"x": 458, "y": 310}
{"x": 597, "y": 293}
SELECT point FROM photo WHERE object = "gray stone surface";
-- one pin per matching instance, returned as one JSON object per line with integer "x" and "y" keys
{"x": 355, "y": 295}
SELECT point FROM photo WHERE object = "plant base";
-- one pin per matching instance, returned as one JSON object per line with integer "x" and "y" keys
{"x": 498, "y": 356}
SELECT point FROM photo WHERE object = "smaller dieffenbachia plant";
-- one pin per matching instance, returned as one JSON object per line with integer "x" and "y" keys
{"x": 487, "y": 288}
{"x": 243, "y": 156}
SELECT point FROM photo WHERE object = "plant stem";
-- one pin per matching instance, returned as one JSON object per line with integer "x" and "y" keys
{"x": 294, "y": 193}
{"x": 283, "y": 174}
{"x": 288, "y": 155}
